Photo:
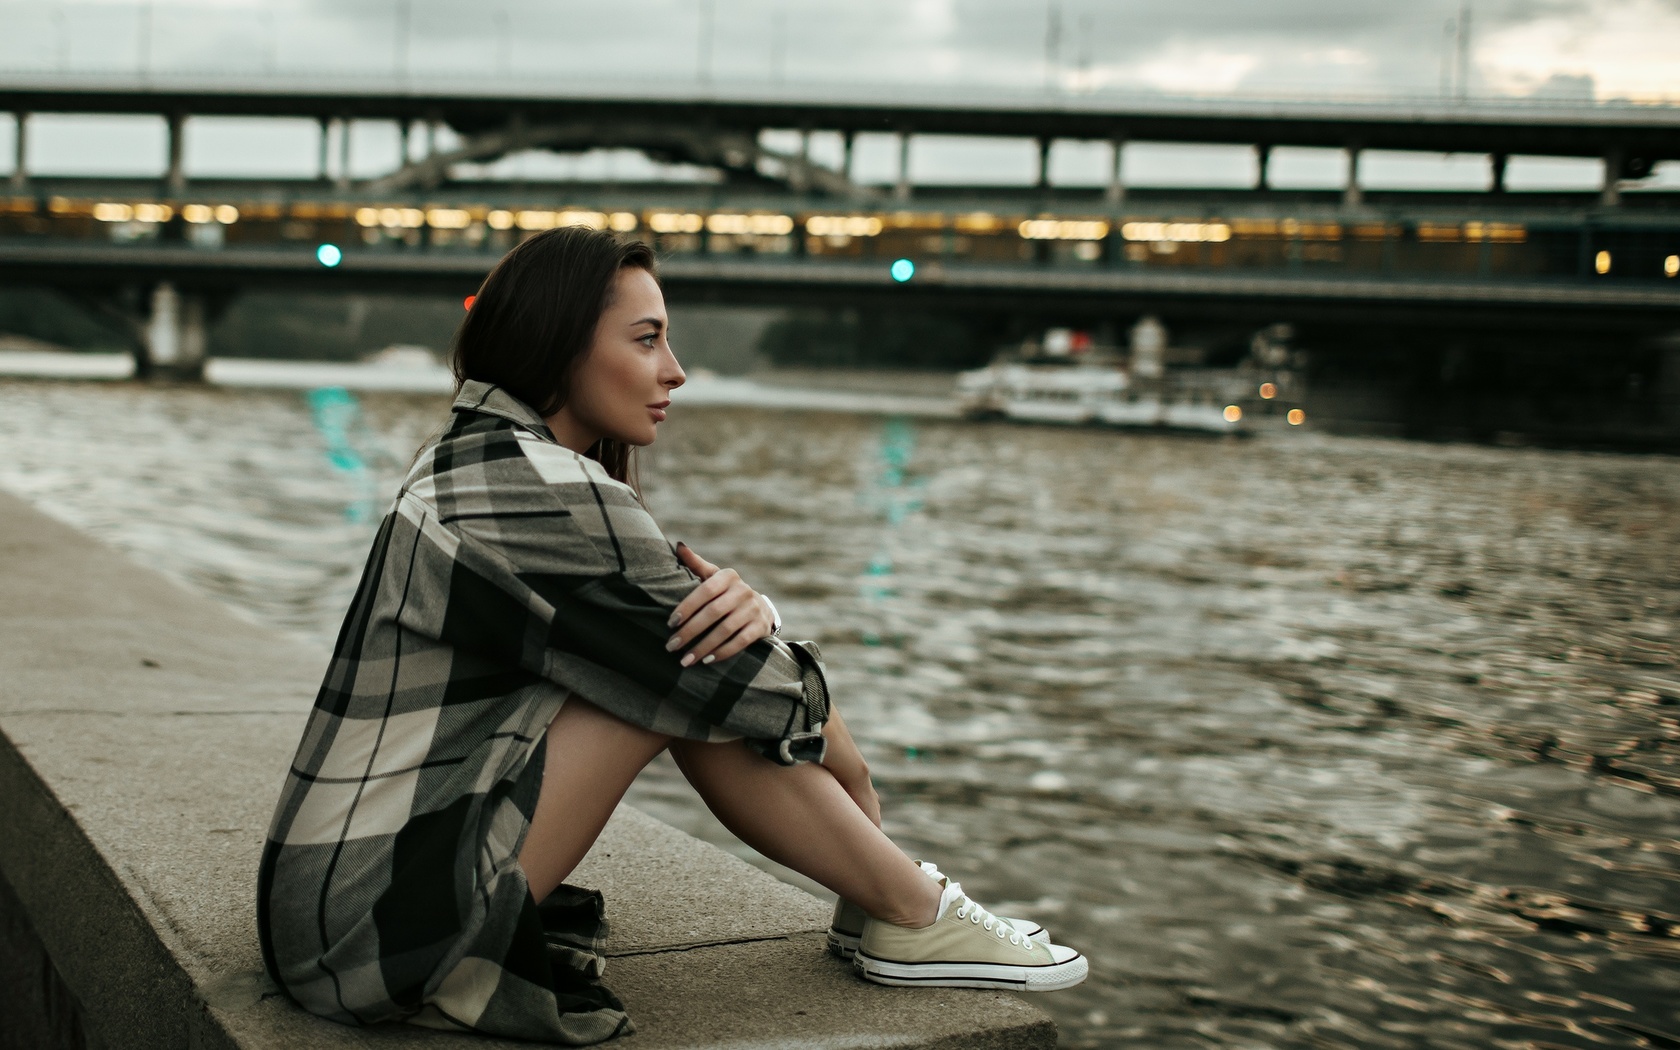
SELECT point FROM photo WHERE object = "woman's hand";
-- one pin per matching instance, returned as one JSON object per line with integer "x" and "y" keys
{"x": 720, "y": 617}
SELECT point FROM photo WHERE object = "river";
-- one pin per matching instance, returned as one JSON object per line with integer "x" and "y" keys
{"x": 1309, "y": 742}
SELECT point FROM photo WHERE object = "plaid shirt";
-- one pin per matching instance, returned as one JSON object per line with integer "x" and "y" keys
{"x": 509, "y": 573}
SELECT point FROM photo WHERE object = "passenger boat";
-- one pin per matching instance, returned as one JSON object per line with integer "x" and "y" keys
{"x": 1069, "y": 378}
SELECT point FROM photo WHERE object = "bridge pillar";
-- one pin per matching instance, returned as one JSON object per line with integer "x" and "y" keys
{"x": 175, "y": 177}
{"x": 1116, "y": 191}
{"x": 176, "y": 334}
{"x": 1263, "y": 166}
{"x": 20, "y": 170}
{"x": 1611, "y": 194}
{"x": 1044, "y": 145}
{"x": 799, "y": 178}
{"x": 846, "y": 139}
{"x": 326, "y": 138}
{"x": 1499, "y": 161}
{"x": 1353, "y": 195}
{"x": 902, "y": 190}
{"x": 343, "y": 180}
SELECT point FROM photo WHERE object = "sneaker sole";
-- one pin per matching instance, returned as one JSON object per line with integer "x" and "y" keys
{"x": 972, "y": 975}
{"x": 843, "y": 945}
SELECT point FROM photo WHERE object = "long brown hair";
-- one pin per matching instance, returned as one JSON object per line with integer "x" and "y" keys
{"x": 534, "y": 318}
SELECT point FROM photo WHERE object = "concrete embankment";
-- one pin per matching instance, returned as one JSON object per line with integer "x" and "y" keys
{"x": 144, "y": 732}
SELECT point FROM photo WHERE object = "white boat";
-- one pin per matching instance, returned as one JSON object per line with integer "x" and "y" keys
{"x": 1068, "y": 378}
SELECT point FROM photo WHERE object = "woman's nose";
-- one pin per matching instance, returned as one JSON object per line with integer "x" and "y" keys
{"x": 674, "y": 375}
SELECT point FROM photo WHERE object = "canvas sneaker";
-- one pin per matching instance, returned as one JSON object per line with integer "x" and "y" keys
{"x": 965, "y": 947}
{"x": 846, "y": 928}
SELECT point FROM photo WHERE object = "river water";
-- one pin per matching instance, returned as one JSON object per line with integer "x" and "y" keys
{"x": 1307, "y": 742}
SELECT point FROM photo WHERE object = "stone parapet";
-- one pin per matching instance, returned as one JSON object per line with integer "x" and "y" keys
{"x": 144, "y": 735}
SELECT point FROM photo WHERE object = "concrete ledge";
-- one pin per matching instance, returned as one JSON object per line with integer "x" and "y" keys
{"x": 144, "y": 733}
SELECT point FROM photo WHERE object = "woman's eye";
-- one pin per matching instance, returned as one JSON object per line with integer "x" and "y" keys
{"x": 648, "y": 340}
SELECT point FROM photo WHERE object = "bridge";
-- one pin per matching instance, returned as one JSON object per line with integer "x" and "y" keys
{"x": 774, "y": 225}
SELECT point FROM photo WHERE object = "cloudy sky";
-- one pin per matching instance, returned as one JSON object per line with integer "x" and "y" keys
{"x": 1610, "y": 48}
{"x": 1599, "y": 49}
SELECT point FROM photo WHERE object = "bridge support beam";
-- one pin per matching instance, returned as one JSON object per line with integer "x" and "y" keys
{"x": 1499, "y": 161}
{"x": 20, "y": 151}
{"x": 176, "y": 334}
{"x": 1115, "y": 194}
{"x": 343, "y": 180}
{"x": 175, "y": 177}
{"x": 902, "y": 190}
{"x": 1353, "y": 195}
{"x": 1263, "y": 166}
{"x": 1044, "y": 145}
{"x": 326, "y": 138}
{"x": 847, "y": 138}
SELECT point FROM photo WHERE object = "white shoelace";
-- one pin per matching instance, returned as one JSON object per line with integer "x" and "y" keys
{"x": 968, "y": 909}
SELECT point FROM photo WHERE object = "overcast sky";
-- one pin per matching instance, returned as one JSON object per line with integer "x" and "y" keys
{"x": 1601, "y": 49}
{"x": 1613, "y": 48}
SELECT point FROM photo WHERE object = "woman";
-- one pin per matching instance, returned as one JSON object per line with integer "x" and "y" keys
{"x": 524, "y": 640}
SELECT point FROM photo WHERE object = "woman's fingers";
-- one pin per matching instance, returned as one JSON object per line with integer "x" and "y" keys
{"x": 688, "y": 556}
{"x": 729, "y": 636}
{"x": 716, "y": 584}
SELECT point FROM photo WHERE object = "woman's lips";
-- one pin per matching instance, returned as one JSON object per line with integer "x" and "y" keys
{"x": 659, "y": 411}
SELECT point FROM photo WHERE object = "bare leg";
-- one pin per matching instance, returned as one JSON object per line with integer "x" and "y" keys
{"x": 591, "y": 758}
{"x": 801, "y": 816}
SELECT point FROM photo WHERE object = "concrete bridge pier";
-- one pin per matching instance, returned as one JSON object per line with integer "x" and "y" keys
{"x": 20, "y": 150}
{"x": 1263, "y": 166}
{"x": 175, "y": 337}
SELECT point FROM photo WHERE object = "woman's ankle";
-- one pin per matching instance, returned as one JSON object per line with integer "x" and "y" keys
{"x": 918, "y": 908}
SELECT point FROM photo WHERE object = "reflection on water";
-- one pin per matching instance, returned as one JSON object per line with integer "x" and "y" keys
{"x": 1320, "y": 742}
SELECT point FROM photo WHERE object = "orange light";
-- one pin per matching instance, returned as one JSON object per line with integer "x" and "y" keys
{"x": 1296, "y": 417}
{"x": 466, "y": 304}
{"x": 1232, "y": 413}
{"x": 1268, "y": 390}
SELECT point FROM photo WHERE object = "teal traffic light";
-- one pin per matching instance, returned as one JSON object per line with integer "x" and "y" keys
{"x": 329, "y": 255}
{"x": 902, "y": 270}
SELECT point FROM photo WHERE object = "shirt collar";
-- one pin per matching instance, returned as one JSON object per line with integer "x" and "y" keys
{"x": 492, "y": 400}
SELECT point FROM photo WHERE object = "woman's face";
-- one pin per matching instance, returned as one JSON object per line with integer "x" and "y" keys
{"x": 623, "y": 385}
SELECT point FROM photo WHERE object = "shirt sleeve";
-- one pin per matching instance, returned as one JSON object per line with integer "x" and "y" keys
{"x": 563, "y": 571}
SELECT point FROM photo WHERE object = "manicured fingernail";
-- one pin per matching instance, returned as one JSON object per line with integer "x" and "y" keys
{"x": 673, "y": 621}
{"x": 708, "y": 659}
{"x": 674, "y": 644}
{"x": 687, "y": 660}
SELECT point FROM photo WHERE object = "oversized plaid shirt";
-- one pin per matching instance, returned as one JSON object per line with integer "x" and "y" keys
{"x": 509, "y": 574}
